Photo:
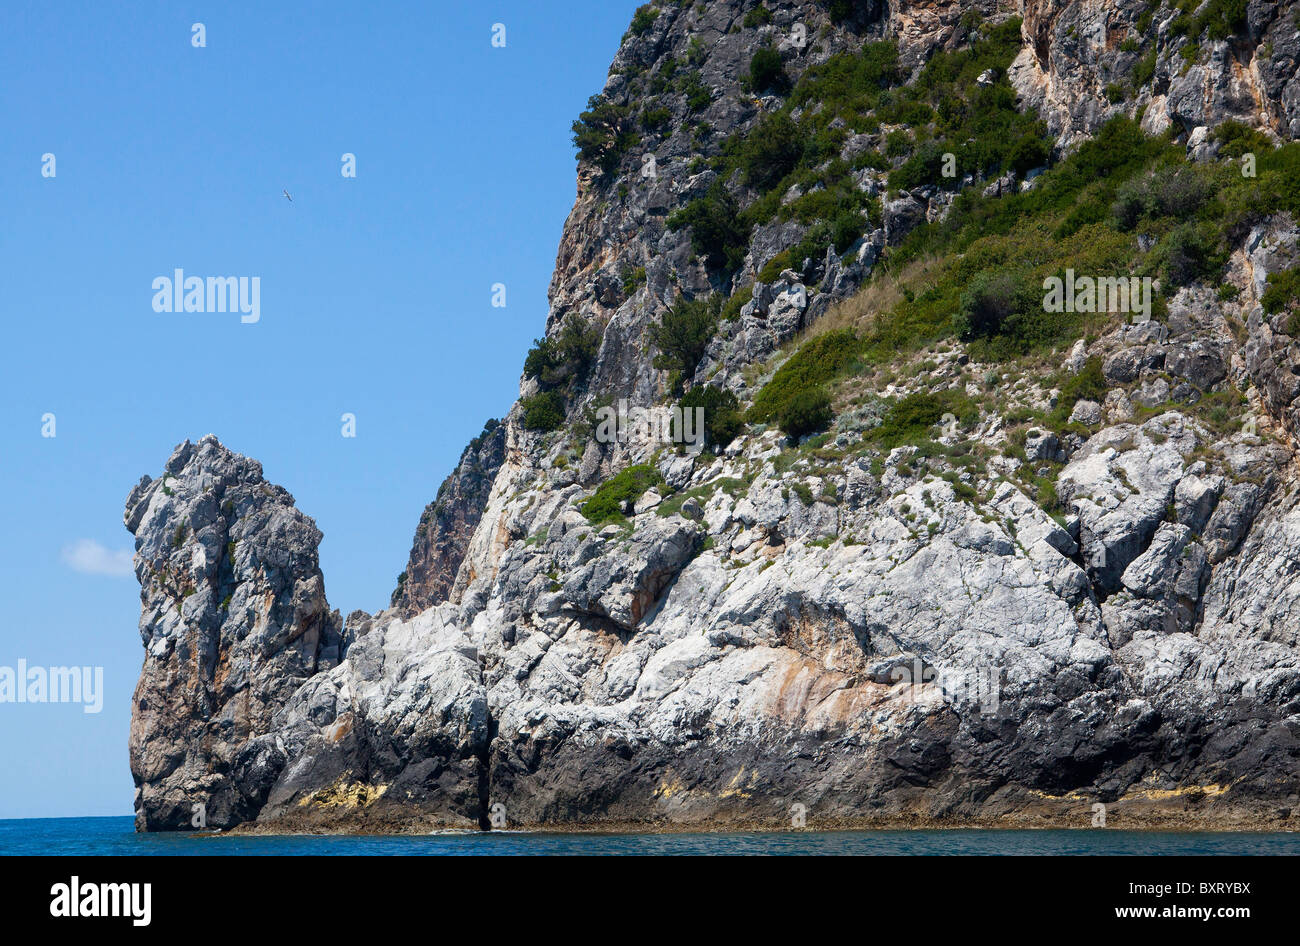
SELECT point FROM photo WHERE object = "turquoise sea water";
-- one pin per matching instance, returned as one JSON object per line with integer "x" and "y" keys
{"x": 115, "y": 836}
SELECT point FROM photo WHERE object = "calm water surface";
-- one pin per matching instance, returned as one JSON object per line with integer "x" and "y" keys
{"x": 115, "y": 836}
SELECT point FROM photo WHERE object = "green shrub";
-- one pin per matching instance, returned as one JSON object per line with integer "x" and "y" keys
{"x": 738, "y": 300}
{"x": 1191, "y": 251}
{"x": 1279, "y": 175}
{"x": 1088, "y": 385}
{"x": 683, "y": 335}
{"x": 905, "y": 112}
{"x": 633, "y": 279}
{"x": 758, "y": 16}
{"x": 818, "y": 361}
{"x": 841, "y": 10}
{"x": 923, "y": 167}
{"x": 653, "y": 119}
{"x": 1236, "y": 138}
{"x": 716, "y": 230}
{"x": 806, "y": 412}
{"x": 766, "y": 72}
{"x": 603, "y": 133}
{"x": 1177, "y": 190}
{"x": 980, "y": 125}
{"x": 698, "y": 95}
{"x": 845, "y": 228}
{"x": 697, "y": 51}
{"x": 565, "y": 359}
{"x": 850, "y": 80}
{"x": 643, "y": 19}
{"x": 544, "y": 411}
{"x": 1281, "y": 290}
{"x": 723, "y": 421}
{"x": 770, "y": 152}
{"x": 489, "y": 426}
{"x": 1144, "y": 70}
{"x": 773, "y": 268}
{"x": 992, "y": 304}
{"x": 606, "y": 504}
{"x": 1222, "y": 18}
{"x": 910, "y": 419}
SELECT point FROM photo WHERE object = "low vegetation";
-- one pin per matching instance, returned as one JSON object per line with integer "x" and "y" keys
{"x": 723, "y": 420}
{"x": 607, "y": 503}
{"x": 978, "y": 276}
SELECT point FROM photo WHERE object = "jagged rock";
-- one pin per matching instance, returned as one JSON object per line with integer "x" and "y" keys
{"x": 1152, "y": 393}
{"x": 1006, "y": 184}
{"x": 902, "y": 215}
{"x": 1120, "y": 484}
{"x": 233, "y": 618}
{"x": 1122, "y": 367}
{"x": 1086, "y": 412}
{"x": 771, "y": 239}
{"x": 1204, "y": 367}
{"x": 1077, "y": 358}
{"x": 676, "y": 470}
{"x": 1117, "y": 406}
{"x": 760, "y": 301}
{"x": 856, "y": 633}
{"x": 445, "y": 527}
{"x": 786, "y": 313}
{"x": 1195, "y": 498}
{"x": 1043, "y": 445}
{"x": 1152, "y": 573}
{"x": 625, "y": 581}
{"x": 649, "y": 499}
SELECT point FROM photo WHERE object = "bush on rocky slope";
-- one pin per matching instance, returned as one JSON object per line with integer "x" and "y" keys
{"x": 791, "y": 167}
{"x": 1282, "y": 291}
{"x": 603, "y": 133}
{"x": 973, "y": 110}
{"x": 807, "y": 412}
{"x": 566, "y": 358}
{"x": 1123, "y": 203}
{"x": 766, "y": 74}
{"x": 820, "y": 360}
{"x": 723, "y": 420}
{"x": 543, "y": 411}
{"x": 717, "y": 234}
{"x": 683, "y": 334}
{"x": 609, "y": 500}
{"x": 911, "y": 419}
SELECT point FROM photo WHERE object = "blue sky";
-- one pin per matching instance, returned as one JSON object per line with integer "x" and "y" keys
{"x": 375, "y": 291}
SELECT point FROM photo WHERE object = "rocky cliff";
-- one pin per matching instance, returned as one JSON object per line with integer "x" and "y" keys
{"x": 947, "y": 554}
{"x": 234, "y": 621}
{"x": 448, "y": 523}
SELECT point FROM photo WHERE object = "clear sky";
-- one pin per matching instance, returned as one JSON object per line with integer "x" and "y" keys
{"x": 376, "y": 291}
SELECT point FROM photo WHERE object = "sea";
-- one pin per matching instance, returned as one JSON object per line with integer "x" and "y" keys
{"x": 117, "y": 837}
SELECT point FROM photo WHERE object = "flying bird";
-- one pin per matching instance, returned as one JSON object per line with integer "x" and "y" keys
{"x": 287, "y": 197}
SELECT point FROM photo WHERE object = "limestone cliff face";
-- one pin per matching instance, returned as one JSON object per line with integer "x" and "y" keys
{"x": 233, "y": 620}
{"x": 872, "y": 636}
{"x": 448, "y": 522}
{"x": 1085, "y": 62}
